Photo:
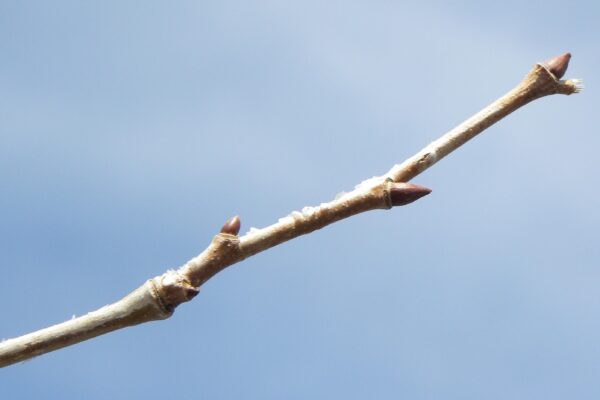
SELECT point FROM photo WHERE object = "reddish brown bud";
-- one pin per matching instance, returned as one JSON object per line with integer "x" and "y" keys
{"x": 232, "y": 226}
{"x": 558, "y": 65}
{"x": 402, "y": 193}
{"x": 191, "y": 292}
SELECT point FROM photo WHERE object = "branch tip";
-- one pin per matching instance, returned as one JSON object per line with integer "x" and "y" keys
{"x": 403, "y": 193}
{"x": 558, "y": 65}
{"x": 232, "y": 226}
{"x": 577, "y": 84}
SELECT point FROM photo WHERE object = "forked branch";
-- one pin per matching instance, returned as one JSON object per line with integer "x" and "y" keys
{"x": 158, "y": 297}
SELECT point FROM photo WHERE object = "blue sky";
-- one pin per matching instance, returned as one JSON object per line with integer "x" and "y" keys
{"x": 129, "y": 133}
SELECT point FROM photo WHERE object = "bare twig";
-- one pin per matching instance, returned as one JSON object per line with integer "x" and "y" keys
{"x": 158, "y": 297}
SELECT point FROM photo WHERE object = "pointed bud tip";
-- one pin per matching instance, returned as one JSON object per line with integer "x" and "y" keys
{"x": 191, "y": 293}
{"x": 402, "y": 194}
{"x": 232, "y": 226}
{"x": 558, "y": 65}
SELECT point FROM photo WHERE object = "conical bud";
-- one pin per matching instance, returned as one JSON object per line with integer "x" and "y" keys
{"x": 232, "y": 226}
{"x": 558, "y": 65}
{"x": 402, "y": 193}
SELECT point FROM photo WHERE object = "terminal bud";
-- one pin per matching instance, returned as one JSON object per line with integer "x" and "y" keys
{"x": 558, "y": 65}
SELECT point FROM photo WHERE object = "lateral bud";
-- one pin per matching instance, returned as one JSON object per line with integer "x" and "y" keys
{"x": 232, "y": 226}
{"x": 402, "y": 193}
{"x": 191, "y": 292}
{"x": 558, "y": 65}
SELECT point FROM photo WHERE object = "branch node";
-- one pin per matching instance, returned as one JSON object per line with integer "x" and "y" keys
{"x": 171, "y": 289}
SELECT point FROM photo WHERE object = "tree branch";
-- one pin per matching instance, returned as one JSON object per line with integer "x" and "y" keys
{"x": 158, "y": 297}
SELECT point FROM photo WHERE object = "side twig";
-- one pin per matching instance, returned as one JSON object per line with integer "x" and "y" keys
{"x": 158, "y": 297}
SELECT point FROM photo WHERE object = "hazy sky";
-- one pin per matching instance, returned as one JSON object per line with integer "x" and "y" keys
{"x": 130, "y": 131}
